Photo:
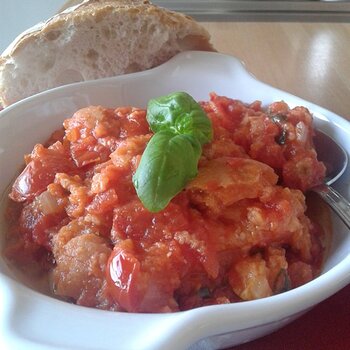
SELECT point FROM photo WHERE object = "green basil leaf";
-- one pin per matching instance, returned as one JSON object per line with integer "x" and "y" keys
{"x": 181, "y": 114}
{"x": 167, "y": 164}
{"x": 171, "y": 157}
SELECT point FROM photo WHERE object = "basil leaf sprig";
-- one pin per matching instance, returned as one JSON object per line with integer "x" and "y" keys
{"x": 171, "y": 157}
{"x": 181, "y": 114}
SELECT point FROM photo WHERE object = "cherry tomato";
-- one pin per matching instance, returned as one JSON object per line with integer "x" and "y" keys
{"x": 123, "y": 272}
{"x": 39, "y": 173}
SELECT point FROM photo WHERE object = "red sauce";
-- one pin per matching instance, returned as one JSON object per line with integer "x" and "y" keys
{"x": 237, "y": 232}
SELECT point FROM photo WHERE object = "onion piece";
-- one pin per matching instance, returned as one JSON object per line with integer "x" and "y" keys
{"x": 301, "y": 131}
{"x": 47, "y": 203}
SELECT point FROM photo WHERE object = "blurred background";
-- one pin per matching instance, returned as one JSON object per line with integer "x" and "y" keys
{"x": 275, "y": 10}
{"x": 18, "y": 15}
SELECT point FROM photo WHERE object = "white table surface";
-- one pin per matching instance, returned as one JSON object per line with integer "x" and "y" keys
{"x": 19, "y": 15}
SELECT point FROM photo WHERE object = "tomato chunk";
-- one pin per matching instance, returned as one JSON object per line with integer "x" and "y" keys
{"x": 40, "y": 172}
{"x": 122, "y": 274}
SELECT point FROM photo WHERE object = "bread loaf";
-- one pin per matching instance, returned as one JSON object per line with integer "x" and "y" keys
{"x": 95, "y": 39}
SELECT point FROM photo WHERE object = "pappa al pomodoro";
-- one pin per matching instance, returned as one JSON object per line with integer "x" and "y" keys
{"x": 238, "y": 230}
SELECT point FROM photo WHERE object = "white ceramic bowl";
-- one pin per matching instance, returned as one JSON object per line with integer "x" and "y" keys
{"x": 30, "y": 320}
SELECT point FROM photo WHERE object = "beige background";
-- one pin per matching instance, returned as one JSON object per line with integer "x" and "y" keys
{"x": 310, "y": 60}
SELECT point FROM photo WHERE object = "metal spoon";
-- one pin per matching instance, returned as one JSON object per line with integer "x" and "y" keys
{"x": 336, "y": 160}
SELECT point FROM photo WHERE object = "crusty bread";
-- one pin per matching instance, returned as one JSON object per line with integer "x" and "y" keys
{"x": 96, "y": 39}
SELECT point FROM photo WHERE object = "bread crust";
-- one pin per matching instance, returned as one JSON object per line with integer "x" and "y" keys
{"x": 98, "y": 8}
{"x": 190, "y": 36}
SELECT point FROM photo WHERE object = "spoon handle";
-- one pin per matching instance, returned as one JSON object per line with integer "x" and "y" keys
{"x": 336, "y": 201}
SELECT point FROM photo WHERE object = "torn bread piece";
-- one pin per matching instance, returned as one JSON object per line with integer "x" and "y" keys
{"x": 92, "y": 40}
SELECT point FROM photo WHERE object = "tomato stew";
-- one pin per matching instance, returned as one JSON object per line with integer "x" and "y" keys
{"x": 237, "y": 232}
